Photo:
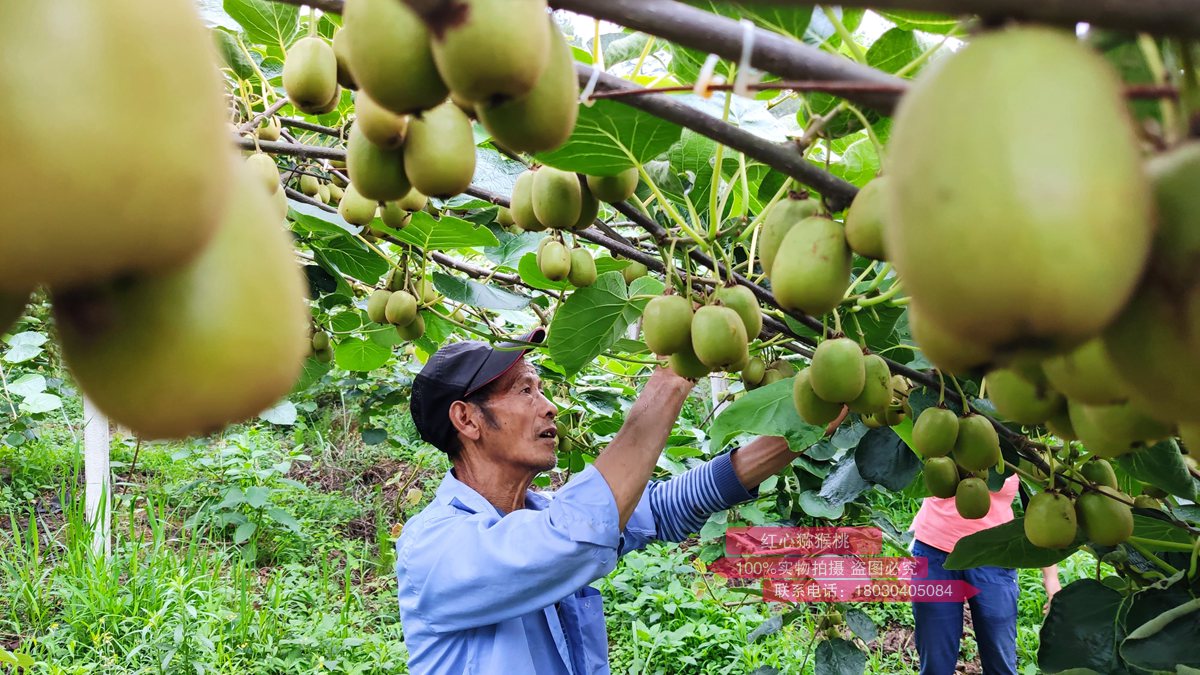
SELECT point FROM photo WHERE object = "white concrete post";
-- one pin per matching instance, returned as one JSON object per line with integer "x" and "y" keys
{"x": 98, "y": 487}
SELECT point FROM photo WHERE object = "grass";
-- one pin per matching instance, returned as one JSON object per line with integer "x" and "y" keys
{"x": 192, "y": 587}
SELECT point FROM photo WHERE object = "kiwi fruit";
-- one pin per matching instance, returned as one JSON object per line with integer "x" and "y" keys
{"x": 685, "y": 364}
{"x": 557, "y": 198}
{"x": 877, "y": 389}
{"x": 439, "y": 153}
{"x": 780, "y": 219}
{"x": 935, "y": 432}
{"x": 310, "y": 74}
{"x": 309, "y": 185}
{"x": 1086, "y": 375}
{"x": 173, "y": 355}
{"x": 977, "y": 446}
{"x": 381, "y": 126}
{"x": 941, "y": 477}
{"x": 341, "y": 52}
{"x": 323, "y": 193}
{"x": 113, "y": 108}
{"x": 504, "y": 217}
{"x": 588, "y": 210}
{"x": 812, "y": 408}
{"x": 355, "y": 208}
{"x": 492, "y": 49}
{"x": 264, "y": 169}
{"x": 377, "y": 305}
{"x": 425, "y": 292}
{"x": 718, "y": 336}
{"x": 389, "y": 54}
{"x": 1080, "y": 240}
{"x": 544, "y": 118}
{"x": 1050, "y": 520}
{"x": 972, "y": 499}
{"x": 401, "y": 308}
{"x": 633, "y": 271}
{"x": 269, "y": 129}
{"x": 1021, "y": 399}
{"x": 667, "y": 324}
{"x": 377, "y": 173}
{"x": 947, "y": 352}
{"x": 554, "y": 261}
{"x": 812, "y": 267}
{"x": 394, "y": 216}
{"x": 753, "y": 373}
{"x": 741, "y": 300}
{"x": 413, "y": 330}
{"x": 771, "y": 377}
{"x": 864, "y": 221}
{"x": 1100, "y": 472}
{"x": 1104, "y": 520}
{"x": 522, "y": 204}
{"x": 319, "y": 341}
{"x": 413, "y": 201}
{"x": 614, "y": 189}
{"x": 583, "y": 268}
{"x": 838, "y": 372}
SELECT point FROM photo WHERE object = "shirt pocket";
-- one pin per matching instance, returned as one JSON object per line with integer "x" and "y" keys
{"x": 589, "y": 617}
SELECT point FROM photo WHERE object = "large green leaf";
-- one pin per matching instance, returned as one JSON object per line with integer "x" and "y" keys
{"x": 495, "y": 172}
{"x": 923, "y": 21}
{"x": 589, "y": 322}
{"x": 512, "y": 247}
{"x": 231, "y": 54}
{"x": 884, "y": 459}
{"x": 1167, "y": 640}
{"x": 356, "y": 354}
{"x": 265, "y": 22}
{"x": 1161, "y": 465}
{"x": 353, "y": 257}
{"x": 624, "y": 48}
{"x": 1005, "y": 546}
{"x": 844, "y": 483}
{"x": 475, "y": 294}
{"x": 1154, "y": 529}
{"x": 893, "y": 50}
{"x": 426, "y": 233}
{"x": 839, "y": 657}
{"x": 859, "y": 164}
{"x": 767, "y": 411}
{"x": 1081, "y": 629}
{"x": 609, "y": 138}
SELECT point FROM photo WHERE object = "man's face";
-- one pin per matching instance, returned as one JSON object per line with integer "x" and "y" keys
{"x": 523, "y": 433}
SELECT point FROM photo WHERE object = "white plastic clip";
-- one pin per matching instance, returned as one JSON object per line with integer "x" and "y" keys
{"x": 585, "y": 96}
{"x": 706, "y": 78}
{"x": 746, "y": 73}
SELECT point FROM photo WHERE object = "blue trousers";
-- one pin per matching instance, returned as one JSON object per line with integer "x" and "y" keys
{"x": 993, "y": 613}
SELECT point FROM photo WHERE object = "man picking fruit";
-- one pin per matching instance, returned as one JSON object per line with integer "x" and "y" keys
{"x": 493, "y": 578}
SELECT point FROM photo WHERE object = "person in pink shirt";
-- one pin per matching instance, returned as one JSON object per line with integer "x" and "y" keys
{"x": 937, "y": 527}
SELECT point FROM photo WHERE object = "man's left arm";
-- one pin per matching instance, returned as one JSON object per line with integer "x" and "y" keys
{"x": 671, "y": 510}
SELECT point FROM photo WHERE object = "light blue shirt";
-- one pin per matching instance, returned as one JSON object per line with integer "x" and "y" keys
{"x": 485, "y": 593}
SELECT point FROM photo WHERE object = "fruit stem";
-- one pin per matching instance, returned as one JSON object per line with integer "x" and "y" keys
{"x": 312, "y": 22}
{"x": 963, "y": 397}
{"x": 883, "y": 272}
{"x": 837, "y": 321}
{"x": 670, "y": 209}
{"x": 1135, "y": 542}
{"x": 637, "y": 68}
{"x": 1170, "y": 112}
{"x": 870, "y": 131}
{"x": 941, "y": 388}
{"x": 847, "y": 39}
{"x": 1021, "y": 472}
{"x": 715, "y": 211}
{"x": 859, "y": 279}
{"x": 1195, "y": 555}
{"x": 882, "y": 297}
{"x": 1166, "y": 545}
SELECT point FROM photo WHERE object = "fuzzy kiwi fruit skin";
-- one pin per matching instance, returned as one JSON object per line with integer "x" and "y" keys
{"x": 667, "y": 324}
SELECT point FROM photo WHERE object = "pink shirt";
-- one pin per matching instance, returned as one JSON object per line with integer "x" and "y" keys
{"x": 939, "y": 525}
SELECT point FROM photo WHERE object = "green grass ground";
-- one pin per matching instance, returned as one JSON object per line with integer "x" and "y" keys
{"x": 268, "y": 550}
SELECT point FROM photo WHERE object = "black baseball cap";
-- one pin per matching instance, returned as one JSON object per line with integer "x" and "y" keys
{"x": 453, "y": 373}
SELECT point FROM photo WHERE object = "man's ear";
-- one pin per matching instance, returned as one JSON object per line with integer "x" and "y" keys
{"x": 464, "y": 418}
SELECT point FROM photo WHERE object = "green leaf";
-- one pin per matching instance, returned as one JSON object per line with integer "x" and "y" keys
{"x": 284, "y": 518}
{"x": 844, "y": 483}
{"x": 1167, "y": 640}
{"x": 22, "y": 353}
{"x": 40, "y": 403}
{"x": 893, "y": 50}
{"x": 495, "y": 172}
{"x": 29, "y": 338}
{"x": 862, "y": 624}
{"x": 766, "y": 411}
{"x": 244, "y": 531}
{"x": 883, "y": 458}
{"x": 1081, "y": 629}
{"x": 28, "y": 385}
{"x": 859, "y": 164}
{"x": 1006, "y": 546}
{"x": 352, "y": 257}
{"x": 1161, "y": 465}
{"x": 257, "y": 496}
{"x": 358, "y": 355}
{"x": 609, "y": 138}
{"x": 819, "y": 507}
{"x": 1147, "y": 527}
{"x": 928, "y": 22}
{"x": 283, "y": 413}
{"x": 231, "y": 54}
{"x": 839, "y": 657}
{"x": 512, "y": 248}
{"x": 625, "y": 48}
{"x": 319, "y": 221}
{"x": 233, "y": 498}
{"x": 475, "y": 294}
{"x": 589, "y": 322}
{"x": 312, "y": 373}
{"x": 531, "y": 274}
{"x": 448, "y": 233}
{"x": 265, "y": 22}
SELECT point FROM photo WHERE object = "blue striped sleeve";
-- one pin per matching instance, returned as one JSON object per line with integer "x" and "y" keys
{"x": 681, "y": 505}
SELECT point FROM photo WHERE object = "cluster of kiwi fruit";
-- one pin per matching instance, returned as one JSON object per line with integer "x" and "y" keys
{"x": 545, "y": 198}
{"x": 557, "y": 262}
{"x": 714, "y": 336}
{"x": 177, "y": 300}
{"x": 957, "y": 451}
{"x": 841, "y": 374}
{"x": 805, "y": 255}
{"x": 1054, "y": 518}
{"x": 399, "y": 301}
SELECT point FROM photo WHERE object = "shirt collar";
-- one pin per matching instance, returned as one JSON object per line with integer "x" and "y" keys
{"x": 458, "y": 494}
